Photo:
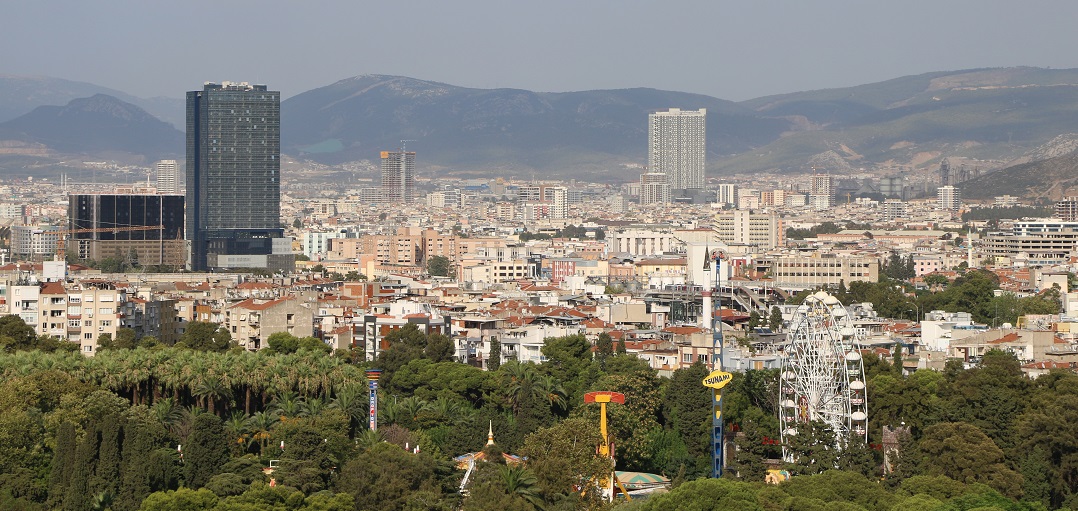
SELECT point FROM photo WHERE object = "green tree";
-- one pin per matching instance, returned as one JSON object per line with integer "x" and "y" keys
{"x": 708, "y": 495}
{"x": 206, "y": 450}
{"x": 387, "y": 477}
{"x": 563, "y": 460}
{"x": 964, "y": 453}
{"x": 15, "y": 334}
{"x": 283, "y": 342}
{"x": 438, "y": 266}
{"x": 687, "y": 409}
{"x": 206, "y": 336}
{"x": 774, "y": 321}
{"x": 141, "y": 436}
{"x": 63, "y": 462}
{"x": 495, "y": 359}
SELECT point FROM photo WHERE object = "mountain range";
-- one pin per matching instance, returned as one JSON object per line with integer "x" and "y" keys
{"x": 993, "y": 115}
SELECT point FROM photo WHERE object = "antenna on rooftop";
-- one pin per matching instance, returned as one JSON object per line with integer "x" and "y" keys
{"x": 404, "y": 144}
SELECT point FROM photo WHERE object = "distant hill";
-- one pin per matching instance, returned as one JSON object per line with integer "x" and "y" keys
{"x": 989, "y": 114}
{"x": 97, "y": 124}
{"x": 1045, "y": 179}
{"x": 21, "y": 94}
{"x": 499, "y": 128}
{"x": 995, "y": 116}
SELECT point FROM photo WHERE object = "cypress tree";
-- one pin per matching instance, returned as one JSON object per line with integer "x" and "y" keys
{"x": 107, "y": 476}
{"x": 495, "y": 360}
{"x": 207, "y": 451}
{"x": 78, "y": 489}
{"x": 604, "y": 347}
{"x": 62, "y": 460}
{"x": 139, "y": 441}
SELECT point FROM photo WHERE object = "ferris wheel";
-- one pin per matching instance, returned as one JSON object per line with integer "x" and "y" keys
{"x": 823, "y": 376}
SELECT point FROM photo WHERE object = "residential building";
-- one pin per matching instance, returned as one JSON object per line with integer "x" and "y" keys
{"x": 168, "y": 177}
{"x": 727, "y": 194}
{"x": 34, "y": 242}
{"x": 822, "y": 191}
{"x": 804, "y": 272}
{"x": 746, "y": 227}
{"x": 893, "y": 209}
{"x": 1067, "y": 209}
{"x": 1034, "y": 242}
{"x": 234, "y": 178}
{"x": 654, "y": 189}
{"x": 677, "y": 147}
{"x": 398, "y": 177}
{"x": 252, "y": 321}
{"x": 949, "y": 198}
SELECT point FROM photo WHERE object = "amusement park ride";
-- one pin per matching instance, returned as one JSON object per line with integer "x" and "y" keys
{"x": 823, "y": 376}
{"x": 606, "y": 450}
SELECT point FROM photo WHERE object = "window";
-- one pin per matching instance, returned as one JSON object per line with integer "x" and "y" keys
{"x": 88, "y": 348}
{"x": 106, "y": 322}
{"x": 105, "y": 310}
{"x": 88, "y": 335}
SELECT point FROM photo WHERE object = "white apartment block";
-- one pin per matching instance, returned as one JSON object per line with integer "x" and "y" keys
{"x": 654, "y": 189}
{"x": 745, "y": 227}
{"x": 168, "y": 177}
{"x": 677, "y": 146}
{"x": 640, "y": 241}
{"x": 948, "y": 197}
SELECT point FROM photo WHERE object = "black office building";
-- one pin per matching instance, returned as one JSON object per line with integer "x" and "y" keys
{"x": 233, "y": 178}
{"x": 147, "y": 229}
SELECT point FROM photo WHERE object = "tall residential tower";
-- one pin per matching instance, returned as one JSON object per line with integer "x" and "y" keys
{"x": 398, "y": 177}
{"x": 677, "y": 147}
{"x": 168, "y": 182}
{"x": 234, "y": 178}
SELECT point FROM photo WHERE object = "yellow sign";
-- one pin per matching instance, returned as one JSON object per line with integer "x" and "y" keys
{"x": 718, "y": 379}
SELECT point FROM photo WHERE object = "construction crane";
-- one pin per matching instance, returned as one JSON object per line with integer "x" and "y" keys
{"x": 61, "y": 243}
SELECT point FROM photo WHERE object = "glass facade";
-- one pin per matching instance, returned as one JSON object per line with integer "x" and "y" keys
{"x": 233, "y": 171}
{"x": 107, "y": 211}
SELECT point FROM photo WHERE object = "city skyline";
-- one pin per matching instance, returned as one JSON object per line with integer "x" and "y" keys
{"x": 753, "y": 50}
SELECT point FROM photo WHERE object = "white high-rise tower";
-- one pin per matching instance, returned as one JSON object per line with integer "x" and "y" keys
{"x": 168, "y": 179}
{"x": 677, "y": 147}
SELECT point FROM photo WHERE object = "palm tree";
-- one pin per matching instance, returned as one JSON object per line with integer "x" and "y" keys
{"x": 237, "y": 427}
{"x": 313, "y": 406}
{"x": 167, "y": 412}
{"x": 209, "y": 389}
{"x": 288, "y": 405}
{"x": 521, "y": 482}
{"x": 447, "y": 410}
{"x": 521, "y": 384}
{"x": 551, "y": 390}
{"x": 260, "y": 424}
{"x": 412, "y": 407}
{"x": 102, "y": 501}
{"x": 370, "y": 438}
{"x": 252, "y": 376}
{"x": 352, "y": 401}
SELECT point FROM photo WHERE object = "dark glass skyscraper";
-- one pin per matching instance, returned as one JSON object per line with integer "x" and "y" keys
{"x": 234, "y": 178}
{"x": 99, "y": 214}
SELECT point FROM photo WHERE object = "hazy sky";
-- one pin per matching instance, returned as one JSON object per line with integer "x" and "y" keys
{"x": 732, "y": 50}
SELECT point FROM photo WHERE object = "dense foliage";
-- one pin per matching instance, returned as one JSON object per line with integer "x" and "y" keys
{"x": 182, "y": 428}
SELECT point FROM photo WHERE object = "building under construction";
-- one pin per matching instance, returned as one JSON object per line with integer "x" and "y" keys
{"x": 106, "y": 222}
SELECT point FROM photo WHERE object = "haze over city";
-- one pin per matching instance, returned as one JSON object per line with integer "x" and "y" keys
{"x": 333, "y": 256}
{"x": 730, "y": 50}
